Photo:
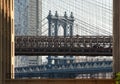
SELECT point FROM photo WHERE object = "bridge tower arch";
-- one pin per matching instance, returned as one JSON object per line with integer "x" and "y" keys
{"x": 54, "y": 23}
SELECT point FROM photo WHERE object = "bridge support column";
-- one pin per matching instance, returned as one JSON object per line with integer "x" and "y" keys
{"x": 49, "y": 60}
{"x": 6, "y": 40}
{"x": 116, "y": 36}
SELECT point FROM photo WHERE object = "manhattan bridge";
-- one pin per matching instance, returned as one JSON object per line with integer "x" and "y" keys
{"x": 80, "y": 37}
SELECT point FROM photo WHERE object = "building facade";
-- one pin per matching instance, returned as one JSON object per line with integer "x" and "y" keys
{"x": 28, "y": 22}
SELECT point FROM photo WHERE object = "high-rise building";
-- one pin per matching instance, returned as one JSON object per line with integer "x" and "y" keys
{"x": 21, "y": 17}
{"x": 28, "y": 16}
{"x": 34, "y": 17}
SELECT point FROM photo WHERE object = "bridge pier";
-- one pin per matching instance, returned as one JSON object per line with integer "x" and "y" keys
{"x": 116, "y": 36}
{"x": 6, "y": 40}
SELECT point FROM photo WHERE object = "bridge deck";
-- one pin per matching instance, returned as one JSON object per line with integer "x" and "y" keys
{"x": 75, "y": 45}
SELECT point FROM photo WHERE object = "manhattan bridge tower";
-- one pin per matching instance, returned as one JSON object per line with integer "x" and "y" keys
{"x": 54, "y": 23}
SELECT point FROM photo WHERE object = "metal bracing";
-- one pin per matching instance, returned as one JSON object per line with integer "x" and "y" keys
{"x": 74, "y": 69}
